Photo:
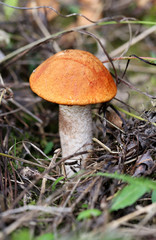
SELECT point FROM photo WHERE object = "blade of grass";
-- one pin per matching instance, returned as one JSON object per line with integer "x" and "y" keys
{"x": 150, "y": 184}
{"x": 133, "y": 115}
{"x": 22, "y": 160}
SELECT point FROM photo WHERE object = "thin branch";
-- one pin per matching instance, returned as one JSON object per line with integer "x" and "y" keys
{"x": 46, "y": 209}
{"x": 116, "y": 223}
{"x": 130, "y": 57}
{"x": 22, "y": 160}
{"x": 48, "y": 7}
{"x": 135, "y": 40}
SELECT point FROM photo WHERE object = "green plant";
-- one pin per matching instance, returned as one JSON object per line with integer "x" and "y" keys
{"x": 21, "y": 234}
{"x": 49, "y": 146}
{"x": 56, "y": 182}
{"x": 46, "y": 236}
{"x": 9, "y": 11}
{"x": 135, "y": 189}
{"x": 25, "y": 234}
{"x": 89, "y": 213}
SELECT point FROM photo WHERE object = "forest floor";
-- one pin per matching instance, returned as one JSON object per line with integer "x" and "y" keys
{"x": 114, "y": 197}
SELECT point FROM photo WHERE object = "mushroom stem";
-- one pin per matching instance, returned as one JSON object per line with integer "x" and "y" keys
{"x": 75, "y": 127}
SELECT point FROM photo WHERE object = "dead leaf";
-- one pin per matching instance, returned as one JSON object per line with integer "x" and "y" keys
{"x": 144, "y": 165}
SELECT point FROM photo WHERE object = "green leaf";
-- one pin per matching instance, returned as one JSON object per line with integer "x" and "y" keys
{"x": 89, "y": 213}
{"x": 154, "y": 196}
{"x": 131, "y": 193}
{"x": 56, "y": 182}
{"x": 127, "y": 196}
{"x": 84, "y": 205}
{"x": 73, "y": 9}
{"x": 8, "y": 11}
{"x": 141, "y": 181}
{"x": 46, "y": 236}
{"x": 21, "y": 234}
{"x": 48, "y": 147}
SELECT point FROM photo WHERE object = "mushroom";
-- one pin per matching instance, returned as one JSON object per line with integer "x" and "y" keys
{"x": 74, "y": 79}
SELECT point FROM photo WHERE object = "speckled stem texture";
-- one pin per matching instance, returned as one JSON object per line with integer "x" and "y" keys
{"x": 75, "y": 127}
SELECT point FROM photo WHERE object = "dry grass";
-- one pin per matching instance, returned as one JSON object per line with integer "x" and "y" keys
{"x": 33, "y": 193}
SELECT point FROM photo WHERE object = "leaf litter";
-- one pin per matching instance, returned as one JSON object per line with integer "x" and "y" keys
{"x": 53, "y": 203}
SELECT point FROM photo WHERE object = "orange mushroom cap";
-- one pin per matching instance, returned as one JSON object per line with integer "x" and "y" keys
{"x": 73, "y": 77}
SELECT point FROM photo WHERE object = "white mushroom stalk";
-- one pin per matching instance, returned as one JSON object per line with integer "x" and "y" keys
{"x": 75, "y": 127}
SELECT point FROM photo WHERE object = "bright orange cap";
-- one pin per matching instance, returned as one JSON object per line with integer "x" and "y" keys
{"x": 73, "y": 77}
